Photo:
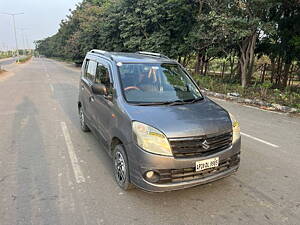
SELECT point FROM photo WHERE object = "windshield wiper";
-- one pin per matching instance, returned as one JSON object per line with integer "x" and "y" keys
{"x": 187, "y": 101}
{"x": 152, "y": 103}
{"x": 176, "y": 102}
{"x": 197, "y": 99}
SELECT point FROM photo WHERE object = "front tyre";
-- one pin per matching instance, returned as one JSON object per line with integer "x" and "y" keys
{"x": 83, "y": 125}
{"x": 121, "y": 171}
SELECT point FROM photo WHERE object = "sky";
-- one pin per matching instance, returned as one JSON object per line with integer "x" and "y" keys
{"x": 41, "y": 19}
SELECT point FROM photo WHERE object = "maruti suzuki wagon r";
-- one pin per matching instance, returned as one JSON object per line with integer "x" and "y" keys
{"x": 161, "y": 132}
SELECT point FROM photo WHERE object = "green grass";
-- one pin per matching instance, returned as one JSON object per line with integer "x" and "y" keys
{"x": 25, "y": 59}
{"x": 289, "y": 97}
{"x": 4, "y": 56}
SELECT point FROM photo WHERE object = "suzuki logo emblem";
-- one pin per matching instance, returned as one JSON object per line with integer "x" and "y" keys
{"x": 205, "y": 145}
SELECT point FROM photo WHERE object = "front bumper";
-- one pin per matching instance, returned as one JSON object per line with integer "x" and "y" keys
{"x": 179, "y": 173}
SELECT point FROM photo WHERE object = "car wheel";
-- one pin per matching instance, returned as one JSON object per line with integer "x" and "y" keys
{"x": 83, "y": 125}
{"x": 121, "y": 171}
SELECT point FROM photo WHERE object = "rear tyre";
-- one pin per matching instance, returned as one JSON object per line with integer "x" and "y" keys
{"x": 121, "y": 169}
{"x": 83, "y": 125}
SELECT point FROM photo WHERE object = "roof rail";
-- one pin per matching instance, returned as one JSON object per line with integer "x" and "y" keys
{"x": 101, "y": 52}
{"x": 152, "y": 54}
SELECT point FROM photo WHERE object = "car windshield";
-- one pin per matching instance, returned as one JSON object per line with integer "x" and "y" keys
{"x": 157, "y": 83}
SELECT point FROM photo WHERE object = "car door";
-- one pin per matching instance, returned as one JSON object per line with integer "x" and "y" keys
{"x": 103, "y": 104}
{"x": 87, "y": 79}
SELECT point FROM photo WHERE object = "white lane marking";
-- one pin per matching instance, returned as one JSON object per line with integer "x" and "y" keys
{"x": 260, "y": 140}
{"x": 51, "y": 87}
{"x": 74, "y": 160}
{"x": 46, "y": 70}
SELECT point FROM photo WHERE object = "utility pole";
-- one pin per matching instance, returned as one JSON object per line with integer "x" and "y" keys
{"x": 14, "y": 23}
{"x": 24, "y": 36}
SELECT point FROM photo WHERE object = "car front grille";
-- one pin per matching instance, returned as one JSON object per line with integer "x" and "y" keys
{"x": 168, "y": 176}
{"x": 200, "y": 146}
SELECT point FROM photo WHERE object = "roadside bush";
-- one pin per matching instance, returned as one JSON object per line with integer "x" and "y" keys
{"x": 3, "y": 57}
{"x": 25, "y": 59}
{"x": 290, "y": 97}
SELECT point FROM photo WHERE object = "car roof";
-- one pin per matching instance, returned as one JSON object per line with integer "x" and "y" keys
{"x": 142, "y": 57}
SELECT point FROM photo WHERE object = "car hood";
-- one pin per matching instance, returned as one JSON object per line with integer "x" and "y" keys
{"x": 200, "y": 118}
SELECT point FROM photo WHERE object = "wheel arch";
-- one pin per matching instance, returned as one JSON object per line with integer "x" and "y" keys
{"x": 114, "y": 142}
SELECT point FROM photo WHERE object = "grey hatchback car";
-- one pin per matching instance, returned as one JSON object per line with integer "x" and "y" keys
{"x": 161, "y": 132}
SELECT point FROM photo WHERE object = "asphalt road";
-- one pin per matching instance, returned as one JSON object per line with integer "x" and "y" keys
{"x": 40, "y": 140}
{"x": 8, "y": 61}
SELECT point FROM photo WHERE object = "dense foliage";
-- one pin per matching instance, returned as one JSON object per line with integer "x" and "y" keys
{"x": 192, "y": 31}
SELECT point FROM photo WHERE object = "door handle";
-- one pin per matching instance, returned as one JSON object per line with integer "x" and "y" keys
{"x": 92, "y": 98}
{"x": 82, "y": 87}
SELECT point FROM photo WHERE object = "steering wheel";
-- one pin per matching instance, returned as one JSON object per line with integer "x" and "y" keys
{"x": 131, "y": 88}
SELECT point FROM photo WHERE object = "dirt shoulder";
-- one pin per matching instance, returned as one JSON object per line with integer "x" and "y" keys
{"x": 5, "y": 74}
{"x": 8, "y": 70}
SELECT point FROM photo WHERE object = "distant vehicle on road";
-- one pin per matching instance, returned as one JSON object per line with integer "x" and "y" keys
{"x": 160, "y": 131}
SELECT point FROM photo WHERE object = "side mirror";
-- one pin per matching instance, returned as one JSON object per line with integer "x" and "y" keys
{"x": 99, "y": 89}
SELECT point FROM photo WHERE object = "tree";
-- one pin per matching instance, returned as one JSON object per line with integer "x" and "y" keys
{"x": 200, "y": 30}
{"x": 156, "y": 25}
{"x": 283, "y": 45}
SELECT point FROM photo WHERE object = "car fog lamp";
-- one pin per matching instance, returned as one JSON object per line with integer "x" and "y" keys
{"x": 235, "y": 129}
{"x": 152, "y": 176}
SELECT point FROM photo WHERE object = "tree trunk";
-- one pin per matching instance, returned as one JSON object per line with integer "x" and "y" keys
{"x": 285, "y": 74}
{"x": 247, "y": 59}
{"x": 184, "y": 61}
{"x": 272, "y": 69}
{"x": 206, "y": 67}
{"x": 202, "y": 65}
{"x": 198, "y": 65}
{"x": 279, "y": 70}
{"x": 231, "y": 59}
{"x": 291, "y": 75}
{"x": 188, "y": 58}
{"x": 223, "y": 70}
{"x": 179, "y": 59}
{"x": 200, "y": 6}
{"x": 263, "y": 73}
{"x": 251, "y": 65}
{"x": 238, "y": 72}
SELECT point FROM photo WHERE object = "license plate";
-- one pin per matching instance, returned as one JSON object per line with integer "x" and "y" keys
{"x": 207, "y": 163}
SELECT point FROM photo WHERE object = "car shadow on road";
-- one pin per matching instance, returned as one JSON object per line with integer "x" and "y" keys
{"x": 66, "y": 95}
{"x": 34, "y": 194}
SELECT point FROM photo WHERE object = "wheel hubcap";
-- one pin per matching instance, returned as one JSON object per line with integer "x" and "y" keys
{"x": 120, "y": 167}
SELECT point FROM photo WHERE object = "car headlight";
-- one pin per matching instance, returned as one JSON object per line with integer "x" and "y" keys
{"x": 235, "y": 128}
{"x": 151, "y": 139}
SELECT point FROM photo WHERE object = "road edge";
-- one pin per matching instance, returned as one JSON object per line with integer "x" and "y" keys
{"x": 254, "y": 102}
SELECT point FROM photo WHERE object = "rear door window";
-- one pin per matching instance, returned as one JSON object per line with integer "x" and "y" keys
{"x": 91, "y": 70}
